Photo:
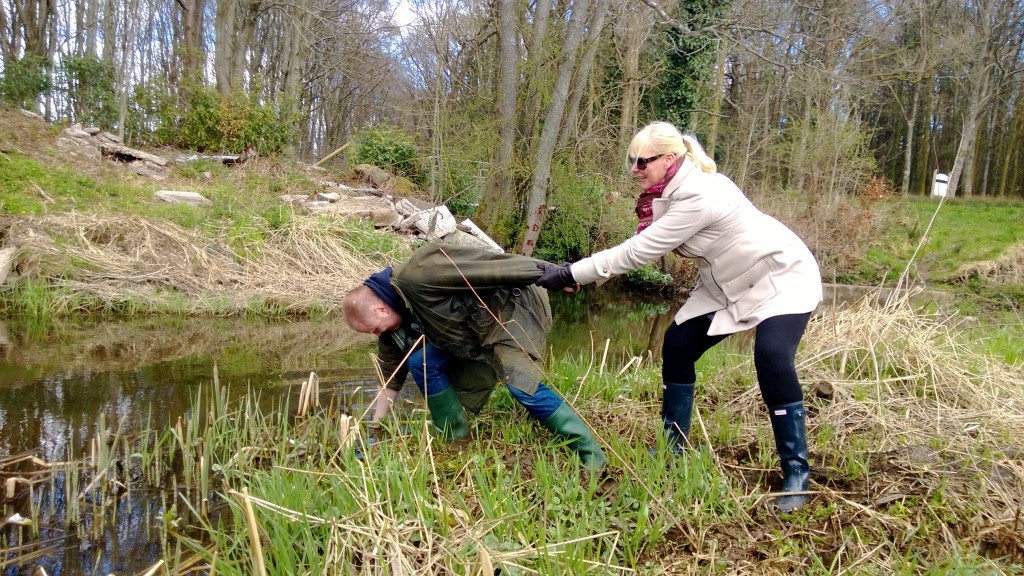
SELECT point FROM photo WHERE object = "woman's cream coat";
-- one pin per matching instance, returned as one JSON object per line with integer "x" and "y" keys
{"x": 749, "y": 264}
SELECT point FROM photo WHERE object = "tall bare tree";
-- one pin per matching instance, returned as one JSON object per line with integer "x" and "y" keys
{"x": 991, "y": 27}
{"x": 235, "y": 25}
{"x": 579, "y": 18}
{"x": 631, "y": 32}
{"x": 593, "y": 42}
{"x": 191, "y": 20}
{"x": 499, "y": 196}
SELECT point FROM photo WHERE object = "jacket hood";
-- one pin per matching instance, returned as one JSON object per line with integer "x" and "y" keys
{"x": 380, "y": 283}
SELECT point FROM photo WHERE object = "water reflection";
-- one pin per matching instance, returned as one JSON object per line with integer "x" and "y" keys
{"x": 55, "y": 383}
{"x": 631, "y": 322}
{"x": 133, "y": 543}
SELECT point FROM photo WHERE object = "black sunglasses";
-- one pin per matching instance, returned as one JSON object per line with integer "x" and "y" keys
{"x": 641, "y": 163}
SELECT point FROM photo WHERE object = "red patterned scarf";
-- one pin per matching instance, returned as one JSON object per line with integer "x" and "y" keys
{"x": 643, "y": 202}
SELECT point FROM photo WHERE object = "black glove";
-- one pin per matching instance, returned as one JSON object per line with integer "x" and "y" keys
{"x": 555, "y": 277}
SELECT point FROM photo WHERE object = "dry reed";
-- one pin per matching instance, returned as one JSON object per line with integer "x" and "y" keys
{"x": 1007, "y": 269}
{"x": 306, "y": 264}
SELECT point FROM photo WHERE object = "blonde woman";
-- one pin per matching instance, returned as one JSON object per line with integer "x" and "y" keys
{"x": 754, "y": 273}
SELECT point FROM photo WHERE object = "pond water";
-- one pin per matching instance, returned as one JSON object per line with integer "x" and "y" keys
{"x": 58, "y": 381}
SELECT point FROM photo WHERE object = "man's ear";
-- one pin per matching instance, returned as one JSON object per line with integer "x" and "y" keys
{"x": 381, "y": 309}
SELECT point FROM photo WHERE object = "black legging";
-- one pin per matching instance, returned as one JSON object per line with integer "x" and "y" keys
{"x": 775, "y": 343}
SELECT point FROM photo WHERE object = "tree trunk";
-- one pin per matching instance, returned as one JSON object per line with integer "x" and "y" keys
{"x": 537, "y": 59}
{"x": 245, "y": 28}
{"x": 1010, "y": 174}
{"x": 51, "y": 40}
{"x": 79, "y": 31}
{"x": 225, "y": 26}
{"x": 509, "y": 58}
{"x": 109, "y": 32}
{"x": 193, "y": 55}
{"x": 499, "y": 195}
{"x": 127, "y": 62}
{"x": 32, "y": 20}
{"x": 6, "y": 56}
{"x": 537, "y": 197}
{"x": 91, "y": 27}
{"x": 988, "y": 144}
{"x": 583, "y": 78}
{"x": 229, "y": 46}
{"x": 711, "y": 137}
{"x": 798, "y": 165}
{"x": 636, "y": 26}
{"x": 298, "y": 48}
{"x": 924, "y": 166}
{"x": 963, "y": 165}
{"x": 908, "y": 146}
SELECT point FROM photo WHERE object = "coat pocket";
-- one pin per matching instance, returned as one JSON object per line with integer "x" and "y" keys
{"x": 748, "y": 291}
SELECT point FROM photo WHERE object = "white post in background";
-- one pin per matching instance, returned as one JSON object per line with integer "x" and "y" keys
{"x": 939, "y": 182}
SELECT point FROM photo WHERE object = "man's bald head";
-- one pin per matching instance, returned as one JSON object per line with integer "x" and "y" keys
{"x": 365, "y": 312}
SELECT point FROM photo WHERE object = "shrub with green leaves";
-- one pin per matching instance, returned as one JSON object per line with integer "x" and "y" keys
{"x": 24, "y": 80}
{"x": 458, "y": 187}
{"x": 389, "y": 148}
{"x": 89, "y": 84}
{"x": 649, "y": 275}
{"x": 573, "y": 217}
{"x": 215, "y": 123}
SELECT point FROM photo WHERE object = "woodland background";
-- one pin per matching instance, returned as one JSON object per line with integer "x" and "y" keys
{"x": 520, "y": 112}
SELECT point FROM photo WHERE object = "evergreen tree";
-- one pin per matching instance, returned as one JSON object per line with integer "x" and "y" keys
{"x": 688, "y": 61}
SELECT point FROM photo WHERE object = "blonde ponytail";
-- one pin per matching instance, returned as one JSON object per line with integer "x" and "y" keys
{"x": 697, "y": 154}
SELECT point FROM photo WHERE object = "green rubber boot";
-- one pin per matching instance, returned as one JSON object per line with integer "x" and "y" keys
{"x": 567, "y": 423}
{"x": 448, "y": 415}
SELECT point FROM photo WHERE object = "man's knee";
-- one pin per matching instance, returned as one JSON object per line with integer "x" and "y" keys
{"x": 428, "y": 367}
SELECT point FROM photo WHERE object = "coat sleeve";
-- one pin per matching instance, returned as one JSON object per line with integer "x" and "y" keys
{"x": 684, "y": 217}
{"x": 391, "y": 365}
{"x": 444, "y": 267}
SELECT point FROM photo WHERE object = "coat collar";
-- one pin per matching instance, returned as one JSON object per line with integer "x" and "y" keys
{"x": 688, "y": 168}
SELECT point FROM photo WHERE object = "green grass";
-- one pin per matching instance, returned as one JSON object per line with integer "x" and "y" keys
{"x": 22, "y": 178}
{"x": 517, "y": 498}
{"x": 964, "y": 230}
{"x": 244, "y": 202}
{"x": 1000, "y": 338}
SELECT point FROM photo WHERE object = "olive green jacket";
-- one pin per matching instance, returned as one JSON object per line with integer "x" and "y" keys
{"x": 480, "y": 307}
